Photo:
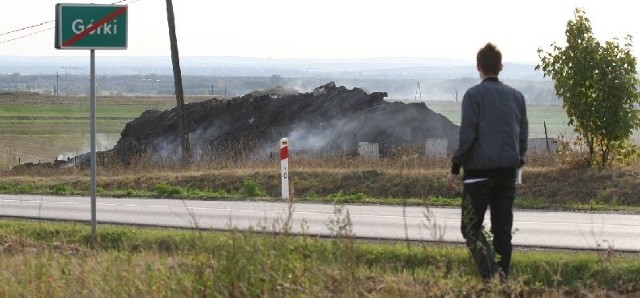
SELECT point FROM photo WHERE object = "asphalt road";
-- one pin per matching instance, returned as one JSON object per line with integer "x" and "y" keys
{"x": 570, "y": 230}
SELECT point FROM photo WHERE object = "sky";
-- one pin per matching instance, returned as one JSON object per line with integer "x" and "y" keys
{"x": 334, "y": 29}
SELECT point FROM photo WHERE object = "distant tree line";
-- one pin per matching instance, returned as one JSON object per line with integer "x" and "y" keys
{"x": 539, "y": 92}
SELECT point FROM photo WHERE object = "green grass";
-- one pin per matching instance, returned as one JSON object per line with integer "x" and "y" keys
{"x": 42, "y": 259}
{"x": 252, "y": 189}
{"x": 37, "y": 128}
{"x": 77, "y": 129}
{"x": 79, "y": 108}
{"x": 554, "y": 116}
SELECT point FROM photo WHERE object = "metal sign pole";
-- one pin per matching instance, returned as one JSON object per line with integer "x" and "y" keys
{"x": 92, "y": 93}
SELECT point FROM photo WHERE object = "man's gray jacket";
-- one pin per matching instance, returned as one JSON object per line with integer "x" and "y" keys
{"x": 493, "y": 131}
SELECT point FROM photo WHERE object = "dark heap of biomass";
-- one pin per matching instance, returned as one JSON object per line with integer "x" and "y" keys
{"x": 330, "y": 120}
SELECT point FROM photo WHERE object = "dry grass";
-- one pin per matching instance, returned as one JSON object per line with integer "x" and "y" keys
{"x": 58, "y": 260}
{"x": 355, "y": 179}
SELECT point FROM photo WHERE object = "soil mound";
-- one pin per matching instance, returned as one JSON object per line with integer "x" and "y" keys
{"x": 331, "y": 120}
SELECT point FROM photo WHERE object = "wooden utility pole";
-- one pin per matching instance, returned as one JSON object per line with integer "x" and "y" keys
{"x": 55, "y": 92}
{"x": 177, "y": 78}
{"x": 546, "y": 136}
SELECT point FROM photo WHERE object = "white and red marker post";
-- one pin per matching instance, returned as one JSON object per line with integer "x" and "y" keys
{"x": 284, "y": 166}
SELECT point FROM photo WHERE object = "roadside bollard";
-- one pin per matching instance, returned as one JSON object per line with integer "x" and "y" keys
{"x": 284, "y": 166}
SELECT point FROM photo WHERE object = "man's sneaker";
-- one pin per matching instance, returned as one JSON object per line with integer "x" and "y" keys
{"x": 499, "y": 278}
{"x": 502, "y": 277}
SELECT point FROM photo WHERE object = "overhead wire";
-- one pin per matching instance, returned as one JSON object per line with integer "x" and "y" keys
{"x": 42, "y": 24}
{"x": 25, "y": 28}
{"x": 26, "y": 35}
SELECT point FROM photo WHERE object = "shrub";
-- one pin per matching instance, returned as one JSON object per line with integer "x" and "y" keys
{"x": 251, "y": 188}
{"x": 165, "y": 190}
{"x": 62, "y": 189}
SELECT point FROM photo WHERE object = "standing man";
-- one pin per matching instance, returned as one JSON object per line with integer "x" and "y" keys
{"x": 493, "y": 142}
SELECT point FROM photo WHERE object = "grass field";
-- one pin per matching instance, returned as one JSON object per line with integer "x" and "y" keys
{"x": 42, "y": 259}
{"x": 554, "y": 117}
{"x": 39, "y": 128}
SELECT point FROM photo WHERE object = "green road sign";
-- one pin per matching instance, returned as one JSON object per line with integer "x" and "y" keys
{"x": 91, "y": 26}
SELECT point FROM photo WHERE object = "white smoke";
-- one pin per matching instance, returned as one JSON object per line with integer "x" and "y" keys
{"x": 167, "y": 150}
{"x": 104, "y": 142}
{"x": 336, "y": 136}
{"x": 207, "y": 133}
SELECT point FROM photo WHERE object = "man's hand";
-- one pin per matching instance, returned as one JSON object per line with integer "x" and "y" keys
{"x": 451, "y": 182}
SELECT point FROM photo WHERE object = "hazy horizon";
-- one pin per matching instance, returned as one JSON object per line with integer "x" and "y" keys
{"x": 46, "y": 64}
{"x": 331, "y": 29}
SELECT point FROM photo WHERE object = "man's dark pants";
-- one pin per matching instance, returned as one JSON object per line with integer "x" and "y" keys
{"x": 499, "y": 194}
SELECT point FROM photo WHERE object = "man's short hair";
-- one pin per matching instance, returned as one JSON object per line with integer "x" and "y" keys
{"x": 489, "y": 59}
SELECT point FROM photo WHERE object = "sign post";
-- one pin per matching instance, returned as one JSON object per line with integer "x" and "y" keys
{"x": 91, "y": 27}
{"x": 284, "y": 166}
{"x": 92, "y": 125}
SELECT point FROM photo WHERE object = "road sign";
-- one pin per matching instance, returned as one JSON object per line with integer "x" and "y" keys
{"x": 91, "y": 26}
